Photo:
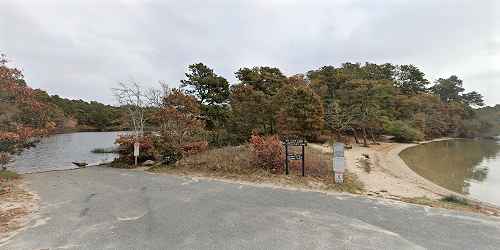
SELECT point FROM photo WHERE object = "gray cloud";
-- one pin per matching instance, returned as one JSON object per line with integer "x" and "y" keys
{"x": 81, "y": 49}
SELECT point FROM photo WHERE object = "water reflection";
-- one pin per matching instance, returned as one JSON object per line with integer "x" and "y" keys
{"x": 58, "y": 151}
{"x": 465, "y": 166}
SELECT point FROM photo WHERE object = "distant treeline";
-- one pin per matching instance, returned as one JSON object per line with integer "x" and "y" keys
{"x": 492, "y": 116}
{"x": 88, "y": 115}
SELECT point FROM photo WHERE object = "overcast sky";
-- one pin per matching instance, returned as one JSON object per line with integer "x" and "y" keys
{"x": 81, "y": 49}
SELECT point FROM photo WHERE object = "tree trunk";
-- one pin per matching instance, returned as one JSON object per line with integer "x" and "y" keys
{"x": 365, "y": 142}
{"x": 337, "y": 134}
{"x": 347, "y": 140}
{"x": 373, "y": 137}
{"x": 355, "y": 135}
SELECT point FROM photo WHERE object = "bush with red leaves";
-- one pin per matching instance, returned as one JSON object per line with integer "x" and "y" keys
{"x": 146, "y": 150}
{"x": 194, "y": 148}
{"x": 267, "y": 153}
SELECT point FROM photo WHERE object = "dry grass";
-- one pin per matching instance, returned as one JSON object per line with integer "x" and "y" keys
{"x": 6, "y": 180}
{"x": 221, "y": 162}
{"x": 235, "y": 163}
{"x": 15, "y": 202}
{"x": 463, "y": 205}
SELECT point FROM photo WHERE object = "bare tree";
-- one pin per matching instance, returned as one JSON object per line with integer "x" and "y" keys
{"x": 134, "y": 98}
{"x": 155, "y": 96}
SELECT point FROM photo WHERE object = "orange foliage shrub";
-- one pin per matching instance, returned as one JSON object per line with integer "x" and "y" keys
{"x": 146, "y": 150}
{"x": 194, "y": 148}
{"x": 267, "y": 153}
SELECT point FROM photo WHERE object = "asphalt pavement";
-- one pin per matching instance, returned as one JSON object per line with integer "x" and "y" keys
{"x": 104, "y": 208}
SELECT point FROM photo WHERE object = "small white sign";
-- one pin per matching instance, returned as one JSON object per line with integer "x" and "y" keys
{"x": 339, "y": 177}
{"x": 136, "y": 149}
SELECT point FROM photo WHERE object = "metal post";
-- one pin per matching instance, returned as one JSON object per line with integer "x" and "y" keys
{"x": 286, "y": 159}
{"x": 303, "y": 159}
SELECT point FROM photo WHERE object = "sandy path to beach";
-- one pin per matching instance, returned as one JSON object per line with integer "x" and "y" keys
{"x": 388, "y": 175}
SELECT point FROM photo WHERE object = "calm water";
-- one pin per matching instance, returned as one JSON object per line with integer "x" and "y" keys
{"x": 58, "y": 151}
{"x": 466, "y": 166}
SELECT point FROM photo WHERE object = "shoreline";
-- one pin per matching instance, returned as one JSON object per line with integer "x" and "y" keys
{"x": 391, "y": 177}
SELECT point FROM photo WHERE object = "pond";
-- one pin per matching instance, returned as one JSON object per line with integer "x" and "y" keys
{"x": 57, "y": 152}
{"x": 470, "y": 167}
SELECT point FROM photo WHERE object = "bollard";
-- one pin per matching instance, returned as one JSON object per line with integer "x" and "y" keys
{"x": 338, "y": 162}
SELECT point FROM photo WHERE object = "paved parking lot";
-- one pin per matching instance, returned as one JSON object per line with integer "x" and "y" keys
{"x": 103, "y": 208}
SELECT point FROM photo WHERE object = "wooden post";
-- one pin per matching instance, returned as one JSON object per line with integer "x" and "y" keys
{"x": 355, "y": 135}
{"x": 303, "y": 159}
{"x": 365, "y": 143}
{"x": 286, "y": 159}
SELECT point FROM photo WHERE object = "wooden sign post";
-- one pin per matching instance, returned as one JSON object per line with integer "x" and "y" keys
{"x": 293, "y": 157}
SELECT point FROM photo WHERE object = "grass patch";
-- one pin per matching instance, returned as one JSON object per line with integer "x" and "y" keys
{"x": 6, "y": 175}
{"x": 453, "y": 203}
{"x": 104, "y": 150}
{"x": 455, "y": 199}
{"x": 226, "y": 161}
{"x": 236, "y": 163}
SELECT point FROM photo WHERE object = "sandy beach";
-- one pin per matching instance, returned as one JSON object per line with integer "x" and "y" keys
{"x": 388, "y": 174}
{"x": 390, "y": 177}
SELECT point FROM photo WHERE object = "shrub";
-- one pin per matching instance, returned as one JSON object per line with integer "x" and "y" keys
{"x": 155, "y": 148}
{"x": 5, "y": 159}
{"x": 403, "y": 132}
{"x": 455, "y": 199}
{"x": 7, "y": 144}
{"x": 267, "y": 153}
{"x": 194, "y": 148}
{"x": 170, "y": 154}
{"x": 147, "y": 149}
